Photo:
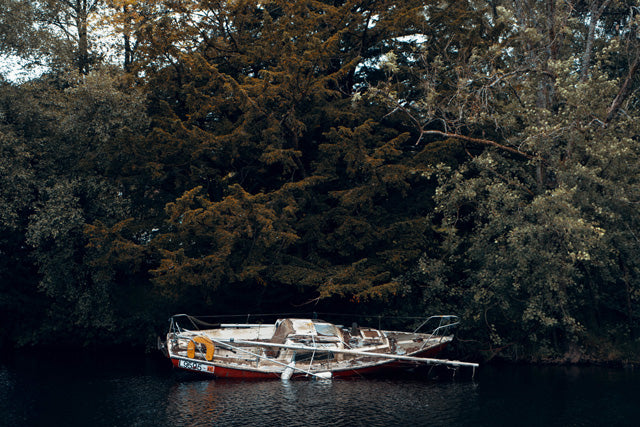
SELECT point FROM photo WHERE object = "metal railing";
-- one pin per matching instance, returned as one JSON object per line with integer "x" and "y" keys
{"x": 445, "y": 323}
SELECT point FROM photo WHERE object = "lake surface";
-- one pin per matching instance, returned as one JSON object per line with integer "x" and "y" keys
{"x": 75, "y": 390}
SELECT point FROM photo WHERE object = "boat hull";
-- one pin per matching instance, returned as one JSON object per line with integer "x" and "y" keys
{"x": 218, "y": 370}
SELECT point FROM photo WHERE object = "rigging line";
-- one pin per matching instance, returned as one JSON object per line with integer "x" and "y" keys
{"x": 313, "y": 340}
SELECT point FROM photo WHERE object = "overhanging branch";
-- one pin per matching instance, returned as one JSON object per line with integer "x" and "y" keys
{"x": 624, "y": 91}
{"x": 482, "y": 142}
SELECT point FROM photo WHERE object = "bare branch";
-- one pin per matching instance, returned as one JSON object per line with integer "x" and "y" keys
{"x": 596, "y": 13}
{"x": 625, "y": 90}
{"x": 482, "y": 142}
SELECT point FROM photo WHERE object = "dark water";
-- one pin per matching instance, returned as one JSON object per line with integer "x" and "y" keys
{"x": 50, "y": 390}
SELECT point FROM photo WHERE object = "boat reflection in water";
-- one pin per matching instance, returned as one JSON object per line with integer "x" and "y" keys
{"x": 371, "y": 402}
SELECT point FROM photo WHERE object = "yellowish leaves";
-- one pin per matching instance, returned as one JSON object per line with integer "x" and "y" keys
{"x": 233, "y": 239}
{"x": 284, "y": 157}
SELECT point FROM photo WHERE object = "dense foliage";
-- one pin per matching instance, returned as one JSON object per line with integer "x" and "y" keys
{"x": 478, "y": 157}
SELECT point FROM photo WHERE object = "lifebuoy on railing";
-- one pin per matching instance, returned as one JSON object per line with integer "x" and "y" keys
{"x": 208, "y": 345}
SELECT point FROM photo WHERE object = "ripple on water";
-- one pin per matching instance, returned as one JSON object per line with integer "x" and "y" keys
{"x": 305, "y": 403}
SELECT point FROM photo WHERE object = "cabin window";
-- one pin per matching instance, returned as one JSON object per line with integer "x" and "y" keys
{"x": 326, "y": 329}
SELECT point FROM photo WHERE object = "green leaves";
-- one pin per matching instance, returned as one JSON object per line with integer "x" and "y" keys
{"x": 471, "y": 157}
{"x": 531, "y": 240}
{"x": 16, "y": 180}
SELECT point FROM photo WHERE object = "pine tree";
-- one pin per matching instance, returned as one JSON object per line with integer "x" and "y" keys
{"x": 257, "y": 117}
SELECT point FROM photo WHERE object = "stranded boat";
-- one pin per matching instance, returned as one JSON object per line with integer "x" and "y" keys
{"x": 295, "y": 347}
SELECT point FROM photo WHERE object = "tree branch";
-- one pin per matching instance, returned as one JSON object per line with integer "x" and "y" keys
{"x": 596, "y": 13}
{"x": 625, "y": 90}
{"x": 482, "y": 142}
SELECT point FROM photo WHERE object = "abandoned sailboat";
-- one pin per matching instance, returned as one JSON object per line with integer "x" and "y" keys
{"x": 295, "y": 347}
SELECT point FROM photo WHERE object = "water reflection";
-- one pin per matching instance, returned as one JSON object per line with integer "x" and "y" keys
{"x": 37, "y": 390}
{"x": 368, "y": 402}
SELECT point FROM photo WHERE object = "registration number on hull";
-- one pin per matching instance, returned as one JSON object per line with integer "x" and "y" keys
{"x": 195, "y": 366}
